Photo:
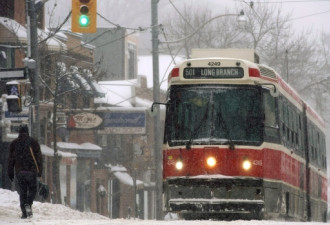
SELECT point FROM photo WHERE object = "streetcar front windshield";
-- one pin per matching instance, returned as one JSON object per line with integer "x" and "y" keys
{"x": 206, "y": 115}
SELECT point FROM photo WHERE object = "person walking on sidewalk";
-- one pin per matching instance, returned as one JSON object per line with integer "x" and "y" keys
{"x": 25, "y": 161}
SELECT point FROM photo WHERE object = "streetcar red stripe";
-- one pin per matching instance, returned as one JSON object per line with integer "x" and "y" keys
{"x": 266, "y": 163}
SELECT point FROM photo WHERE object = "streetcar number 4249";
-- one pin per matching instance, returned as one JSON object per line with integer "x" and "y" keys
{"x": 214, "y": 64}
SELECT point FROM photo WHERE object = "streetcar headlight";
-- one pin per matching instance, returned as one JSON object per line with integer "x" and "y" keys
{"x": 179, "y": 165}
{"x": 211, "y": 161}
{"x": 246, "y": 164}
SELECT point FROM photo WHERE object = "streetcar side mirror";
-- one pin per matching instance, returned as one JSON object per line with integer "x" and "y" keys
{"x": 153, "y": 111}
{"x": 274, "y": 92}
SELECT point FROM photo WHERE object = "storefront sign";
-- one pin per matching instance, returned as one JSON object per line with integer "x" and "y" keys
{"x": 84, "y": 121}
{"x": 124, "y": 122}
{"x": 17, "y": 116}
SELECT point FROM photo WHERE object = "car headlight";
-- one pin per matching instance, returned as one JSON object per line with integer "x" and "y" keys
{"x": 211, "y": 161}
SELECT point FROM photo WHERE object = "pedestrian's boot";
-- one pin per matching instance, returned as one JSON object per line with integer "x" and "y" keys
{"x": 28, "y": 210}
{"x": 24, "y": 216}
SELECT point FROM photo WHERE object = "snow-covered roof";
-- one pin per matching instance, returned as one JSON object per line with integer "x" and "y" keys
{"x": 67, "y": 31}
{"x": 12, "y": 82}
{"x": 121, "y": 174}
{"x": 85, "y": 150}
{"x": 75, "y": 146}
{"x": 122, "y": 92}
{"x": 116, "y": 168}
{"x": 68, "y": 145}
{"x": 47, "y": 151}
{"x": 20, "y": 31}
{"x": 166, "y": 64}
{"x": 90, "y": 146}
{"x": 125, "y": 178}
{"x": 130, "y": 83}
{"x": 15, "y": 28}
{"x": 118, "y": 93}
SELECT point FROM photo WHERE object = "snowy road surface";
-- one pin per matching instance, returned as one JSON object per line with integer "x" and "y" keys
{"x": 55, "y": 214}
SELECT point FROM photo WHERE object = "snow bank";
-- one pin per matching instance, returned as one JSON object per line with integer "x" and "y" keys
{"x": 55, "y": 214}
{"x": 10, "y": 211}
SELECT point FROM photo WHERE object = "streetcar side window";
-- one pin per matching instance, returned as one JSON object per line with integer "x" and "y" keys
{"x": 284, "y": 120}
{"x": 290, "y": 125}
{"x": 300, "y": 134}
{"x": 316, "y": 141}
{"x": 271, "y": 119}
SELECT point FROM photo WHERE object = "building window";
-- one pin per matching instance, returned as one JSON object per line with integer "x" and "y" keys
{"x": 7, "y": 8}
{"x": 7, "y": 57}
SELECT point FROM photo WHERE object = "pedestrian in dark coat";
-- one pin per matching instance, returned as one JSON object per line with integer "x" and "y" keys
{"x": 26, "y": 166}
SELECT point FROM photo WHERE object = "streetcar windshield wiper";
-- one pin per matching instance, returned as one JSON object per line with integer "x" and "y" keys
{"x": 222, "y": 122}
{"x": 195, "y": 131}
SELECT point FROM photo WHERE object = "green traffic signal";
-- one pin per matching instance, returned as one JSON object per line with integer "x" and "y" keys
{"x": 83, "y": 20}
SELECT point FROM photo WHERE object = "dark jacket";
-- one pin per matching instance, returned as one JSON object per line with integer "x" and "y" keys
{"x": 20, "y": 156}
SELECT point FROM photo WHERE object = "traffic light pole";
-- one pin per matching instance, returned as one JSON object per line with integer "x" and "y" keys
{"x": 34, "y": 73}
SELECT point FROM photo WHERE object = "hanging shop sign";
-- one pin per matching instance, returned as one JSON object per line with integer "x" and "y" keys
{"x": 84, "y": 121}
{"x": 124, "y": 122}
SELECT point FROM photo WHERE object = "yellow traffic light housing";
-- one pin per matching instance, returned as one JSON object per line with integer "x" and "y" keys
{"x": 84, "y": 16}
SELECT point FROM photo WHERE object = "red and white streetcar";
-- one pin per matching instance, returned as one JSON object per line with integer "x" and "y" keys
{"x": 240, "y": 142}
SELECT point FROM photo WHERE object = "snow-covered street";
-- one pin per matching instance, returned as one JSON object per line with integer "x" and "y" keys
{"x": 55, "y": 214}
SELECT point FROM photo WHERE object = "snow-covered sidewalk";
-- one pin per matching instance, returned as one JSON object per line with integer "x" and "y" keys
{"x": 55, "y": 214}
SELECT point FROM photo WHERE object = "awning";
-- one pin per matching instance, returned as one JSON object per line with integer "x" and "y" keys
{"x": 85, "y": 150}
{"x": 125, "y": 178}
{"x": 117, "y": 93}
{"x": 66, "y": 157}
{"x": 121, "y": 174}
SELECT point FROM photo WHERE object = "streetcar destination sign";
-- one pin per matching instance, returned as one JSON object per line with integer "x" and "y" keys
{"x": 213, "y": 73}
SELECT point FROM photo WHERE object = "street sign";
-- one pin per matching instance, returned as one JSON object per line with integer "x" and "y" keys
{"x": 124, "y": 122}
{"x": 10, "y": 74}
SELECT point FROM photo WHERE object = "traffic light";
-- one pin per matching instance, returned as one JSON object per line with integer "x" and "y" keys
{"x": 83, "y": 16}
{"x": 14, "y": 101}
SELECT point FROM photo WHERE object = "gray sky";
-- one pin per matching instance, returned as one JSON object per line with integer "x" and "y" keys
{"x": 309, "y": 13}
{"x": 306, "y": 13}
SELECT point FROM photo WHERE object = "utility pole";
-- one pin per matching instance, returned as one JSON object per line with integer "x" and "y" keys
{"x": 156, "y": 96}
{"x": 34, "y": 73}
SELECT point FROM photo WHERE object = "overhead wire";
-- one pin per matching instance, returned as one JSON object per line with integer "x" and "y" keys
{"x": 298, "y": 1}
{"x": 100, "y": 35}
{"x": 178, "y": 11}
{"x": 52, "y": 34}
{"x": 127, "y": 28}
{"x": 134, "y": 30}
{"x": 315, "y": 14}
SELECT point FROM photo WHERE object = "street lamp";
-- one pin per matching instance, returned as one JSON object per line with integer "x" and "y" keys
{"x": 241, "y": 19}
